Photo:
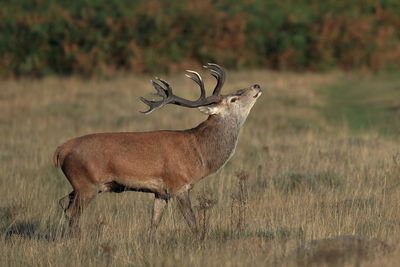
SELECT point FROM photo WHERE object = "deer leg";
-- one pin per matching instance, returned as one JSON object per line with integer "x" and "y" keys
{"x": 186, "y": 208}
{"x": 66, "y": 201}
{"x": 79, "y": 202}
{"x": 158, "y": 211}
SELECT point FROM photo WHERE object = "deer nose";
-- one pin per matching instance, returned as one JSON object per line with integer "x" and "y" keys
{"x": 256, "y": 86}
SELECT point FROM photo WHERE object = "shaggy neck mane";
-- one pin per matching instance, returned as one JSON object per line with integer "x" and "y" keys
{"x": 217, "y": 137}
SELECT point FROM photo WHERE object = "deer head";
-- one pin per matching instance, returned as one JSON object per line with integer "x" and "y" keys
{"x": 237, "y": 104}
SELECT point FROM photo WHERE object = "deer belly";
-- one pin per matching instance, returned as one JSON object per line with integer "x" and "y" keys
{"x": 154, "y": 185}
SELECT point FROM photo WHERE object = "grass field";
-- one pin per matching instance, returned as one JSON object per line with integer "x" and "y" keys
{"x": 319, "y": 158}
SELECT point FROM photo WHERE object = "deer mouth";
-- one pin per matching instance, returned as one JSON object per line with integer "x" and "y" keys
{"x": 258, "y": 94}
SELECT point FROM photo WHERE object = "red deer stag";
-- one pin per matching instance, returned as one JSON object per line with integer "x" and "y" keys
{"x": 165, "y": 163}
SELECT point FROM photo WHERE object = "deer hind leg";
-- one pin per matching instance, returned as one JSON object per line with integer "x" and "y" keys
{"x": 78, "y": 202}
{"x": 66, "y": 201}
{"x": 186, "y": 208}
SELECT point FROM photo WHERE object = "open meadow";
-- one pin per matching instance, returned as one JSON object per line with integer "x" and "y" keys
{"x": 318, "y": 158}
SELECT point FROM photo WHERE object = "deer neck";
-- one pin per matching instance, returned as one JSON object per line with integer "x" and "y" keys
{"x": 217, "y": 138}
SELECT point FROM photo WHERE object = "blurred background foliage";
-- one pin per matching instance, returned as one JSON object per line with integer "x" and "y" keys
{"x": 100, "y": 37}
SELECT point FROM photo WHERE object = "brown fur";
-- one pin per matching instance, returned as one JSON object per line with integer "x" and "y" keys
{"x": 145, "y": 156}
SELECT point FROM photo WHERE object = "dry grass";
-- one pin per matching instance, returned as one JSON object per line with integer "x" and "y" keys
{"x": 308, "y": 179}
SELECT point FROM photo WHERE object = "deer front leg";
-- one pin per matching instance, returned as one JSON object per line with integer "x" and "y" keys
{"x": 186, "y": 208}
{"x": 158, "y": 210}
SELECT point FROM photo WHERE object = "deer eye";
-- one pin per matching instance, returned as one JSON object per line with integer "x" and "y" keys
{"x": 233, "y": 100}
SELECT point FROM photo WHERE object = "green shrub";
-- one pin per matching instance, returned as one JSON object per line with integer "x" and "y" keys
{"x": 99, "y": 37}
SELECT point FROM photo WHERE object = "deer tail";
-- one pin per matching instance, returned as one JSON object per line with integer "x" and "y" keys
{"x": 57, "y": 156}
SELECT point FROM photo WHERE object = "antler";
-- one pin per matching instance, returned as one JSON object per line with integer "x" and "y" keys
{"x": 164, "y": 90}
{"x": 219, "y": 74}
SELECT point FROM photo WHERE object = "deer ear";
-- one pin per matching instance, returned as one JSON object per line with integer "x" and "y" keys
{"x": 210, "y": 109}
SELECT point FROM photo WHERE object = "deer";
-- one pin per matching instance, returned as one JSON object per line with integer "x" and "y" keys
{"x": 165, "y": 163}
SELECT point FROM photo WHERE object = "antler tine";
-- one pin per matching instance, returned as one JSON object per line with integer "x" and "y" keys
{"x": 160, "y": 90}
{"x": 164, "y": 92}
{"x": 219, "y": 74}
{"x": 150, "y": 103}
{"x": 197, "y": 79}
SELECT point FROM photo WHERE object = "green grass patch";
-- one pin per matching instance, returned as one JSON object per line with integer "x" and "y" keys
{"x": 314, "y": 182}
{"x": 360, "y": 103}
